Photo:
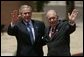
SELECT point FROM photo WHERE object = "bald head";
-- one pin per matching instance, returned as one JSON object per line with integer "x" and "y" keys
{"x": 52, "y": 17}
{"x": 51, "y": 13}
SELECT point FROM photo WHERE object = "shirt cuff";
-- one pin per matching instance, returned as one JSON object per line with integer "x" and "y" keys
{"x": 12, "y": 25}
{"x": 72, "y": 23}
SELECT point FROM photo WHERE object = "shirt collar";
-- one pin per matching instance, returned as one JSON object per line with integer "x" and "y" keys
{"x": 30, "y": 22}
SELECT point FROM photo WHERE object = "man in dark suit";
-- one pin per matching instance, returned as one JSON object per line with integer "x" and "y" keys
{"x": 58, "y": 33}
{"x": 27, "y": 32}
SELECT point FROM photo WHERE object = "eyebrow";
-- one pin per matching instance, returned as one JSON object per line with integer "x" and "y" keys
{"x": 27, "y": 12}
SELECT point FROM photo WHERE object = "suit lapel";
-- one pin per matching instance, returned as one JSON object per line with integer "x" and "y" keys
{"x": 24, "y": 28}
{"x": 48, "y": 31}
{"x": 35, "y": 30}
{"x": 57, "y": 28}
{"x": 54, "y": 36}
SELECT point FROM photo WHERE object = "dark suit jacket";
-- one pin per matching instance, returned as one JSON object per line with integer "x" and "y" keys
{"x": 59, "y": 43}
{"x": 24, "y": 45}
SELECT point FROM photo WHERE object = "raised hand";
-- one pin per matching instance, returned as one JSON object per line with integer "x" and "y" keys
{"x": 73, "y": 15}
{"x": 15, "y": 16}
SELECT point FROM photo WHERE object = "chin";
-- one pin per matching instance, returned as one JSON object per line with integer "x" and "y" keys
{"x": 26, "y": 20}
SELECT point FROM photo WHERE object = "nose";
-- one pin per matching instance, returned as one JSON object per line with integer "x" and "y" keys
{"x": 27, "y": 14}
{"x": 52, "y": 19}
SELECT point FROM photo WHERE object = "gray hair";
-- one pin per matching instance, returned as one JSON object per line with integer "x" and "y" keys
{"x": 24, "y": 6}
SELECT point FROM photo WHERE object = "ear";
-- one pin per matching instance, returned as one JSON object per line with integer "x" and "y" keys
{"x": 20, "y": 15}
{"x": 57, "y": 16}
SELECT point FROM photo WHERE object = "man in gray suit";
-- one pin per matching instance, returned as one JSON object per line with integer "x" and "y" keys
{"x": 58, "y": 33}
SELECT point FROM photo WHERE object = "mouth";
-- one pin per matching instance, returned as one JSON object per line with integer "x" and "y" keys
{"x": 26, "y": 17}
{"x": 52, "y": 22}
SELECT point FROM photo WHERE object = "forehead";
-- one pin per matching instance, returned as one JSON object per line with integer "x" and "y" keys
{"x": 26, "y": 10}
{"x": 51, "y": 13}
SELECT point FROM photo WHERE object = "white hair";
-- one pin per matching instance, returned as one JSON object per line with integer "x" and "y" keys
{"x": 53, "y": 12}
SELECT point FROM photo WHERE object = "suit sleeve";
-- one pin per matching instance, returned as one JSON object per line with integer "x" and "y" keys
{"x": 12, "y": 30}
{"x": 46, "y": 37}
{"x": 71, "y": 28}
{"x": 68, "y": 27}
{"x": 43, "y": 33}
{"x": 65, "y": 29}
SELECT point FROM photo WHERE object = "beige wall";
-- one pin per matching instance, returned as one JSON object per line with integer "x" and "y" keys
{"x": 6, "y": 9}
{"x": 8, "y": 6}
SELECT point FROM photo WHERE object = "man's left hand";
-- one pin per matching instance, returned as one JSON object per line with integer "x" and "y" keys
{"x": 73, "y": 15}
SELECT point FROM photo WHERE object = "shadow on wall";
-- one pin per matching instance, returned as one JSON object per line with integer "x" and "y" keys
{"x": 2, "y": 27}
{"x": 78, "y": 54}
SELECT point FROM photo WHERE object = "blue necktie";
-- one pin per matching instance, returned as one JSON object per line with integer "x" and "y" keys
{"x": 30, "y": 32}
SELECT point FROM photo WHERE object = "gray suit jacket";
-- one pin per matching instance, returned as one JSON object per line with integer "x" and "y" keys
{"x": 59, "y": 44}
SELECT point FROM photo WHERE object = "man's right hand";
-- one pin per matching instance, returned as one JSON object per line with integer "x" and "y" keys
{"x": 15, "y": 16}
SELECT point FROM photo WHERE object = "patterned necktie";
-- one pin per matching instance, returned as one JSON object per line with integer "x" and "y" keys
{"x": 51, "y": 32}
{"x": 30, "y": 32}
